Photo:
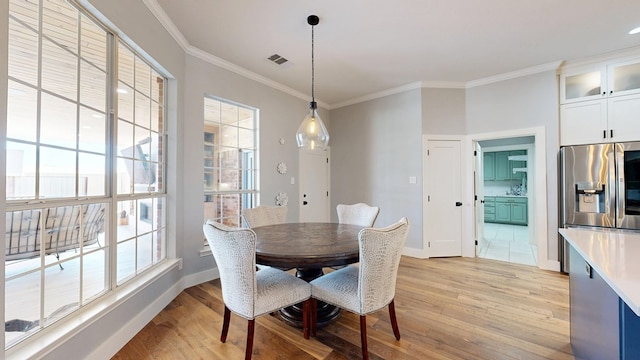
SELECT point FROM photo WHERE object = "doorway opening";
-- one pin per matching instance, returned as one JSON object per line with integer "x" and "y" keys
{"x": 504, "y": 231}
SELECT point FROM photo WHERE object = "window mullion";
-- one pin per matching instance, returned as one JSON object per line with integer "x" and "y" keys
{"x": 112, "y": 165}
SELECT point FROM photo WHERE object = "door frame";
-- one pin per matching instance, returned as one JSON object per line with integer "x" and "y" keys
{"x": 464, "y": 146}
{"x": 538, "y": 181}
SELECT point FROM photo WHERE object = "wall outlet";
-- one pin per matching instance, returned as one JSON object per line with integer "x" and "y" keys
{"x": 293, "y": 180}
{"x": 412, "y": 180}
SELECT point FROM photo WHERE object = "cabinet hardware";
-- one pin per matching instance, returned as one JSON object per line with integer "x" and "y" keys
{"x": 604, "y": 134}
{"x": 611, "y": 133}
{"x": 587, "y": 268}
{"x": 458, "y": 203}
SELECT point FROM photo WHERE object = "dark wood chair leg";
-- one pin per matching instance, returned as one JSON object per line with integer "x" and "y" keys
{"x": 314, "y": 317}
{"x": 225, "y": 324}
{"x": 250, "y": 328}
{"x": 363, "y": 337}
{"x": 306, "y": 315}
{"x": 394, "y": 321}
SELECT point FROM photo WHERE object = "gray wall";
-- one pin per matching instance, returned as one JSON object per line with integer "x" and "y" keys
{"x": 190, "y": 79}
{"x": 443, "y": 111}
{"x": 280, "y": 115}
{"x": 375, "y": 147}
{"x": 521, "y": 103}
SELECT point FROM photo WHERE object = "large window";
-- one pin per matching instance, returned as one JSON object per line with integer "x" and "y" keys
{"x": 85, "y": 162}
{"x": 230, "y": 149}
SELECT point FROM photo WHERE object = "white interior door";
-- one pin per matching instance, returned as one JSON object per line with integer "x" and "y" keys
{"x": 314, "y": 186}
{"x": 443, "y": 217}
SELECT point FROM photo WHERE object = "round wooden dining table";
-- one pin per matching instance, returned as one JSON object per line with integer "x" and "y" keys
{"x": 307, "y": 247}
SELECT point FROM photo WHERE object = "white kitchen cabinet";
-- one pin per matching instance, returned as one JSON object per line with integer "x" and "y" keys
{"x": 600, "y": 102}
{"x": 613, "y": 119}
{"x": 583, "y": 122}
{"x": 582, "y": 84}
{"x": 600, "y": 80}
{"x": 624, "y": 118}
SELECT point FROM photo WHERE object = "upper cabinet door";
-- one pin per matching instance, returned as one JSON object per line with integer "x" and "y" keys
{"x": 624, "y": 78}
{"x": 624, "y": 118}
{"x": 489, "y": 165}
{"x": 600, "y": 80}
{"x": 582, "y": 84}
{"x": 503, "y": 170}
{"x": 584, "y": 123}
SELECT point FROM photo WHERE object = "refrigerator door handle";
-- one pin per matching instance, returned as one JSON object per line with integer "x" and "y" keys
{"x": 619, "y": 182}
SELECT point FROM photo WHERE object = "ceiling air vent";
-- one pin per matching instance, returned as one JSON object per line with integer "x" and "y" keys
{"x": 277, "y": 59}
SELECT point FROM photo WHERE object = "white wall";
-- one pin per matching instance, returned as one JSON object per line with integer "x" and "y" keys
{"x": 522, "y": 103}
{"x": 375, "y": 148}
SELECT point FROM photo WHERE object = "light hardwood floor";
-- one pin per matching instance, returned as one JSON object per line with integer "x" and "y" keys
{"x": 447, "y": 308}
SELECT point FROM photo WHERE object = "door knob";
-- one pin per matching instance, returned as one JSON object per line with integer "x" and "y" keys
{"x": 458, "y": 203}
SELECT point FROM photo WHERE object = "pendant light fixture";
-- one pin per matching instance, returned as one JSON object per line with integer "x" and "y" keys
{"x": 312, "y": 134}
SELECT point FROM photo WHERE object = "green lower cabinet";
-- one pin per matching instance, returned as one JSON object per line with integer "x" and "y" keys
{"x": 503, "y": 212}
{"x": 519, "y": 214}
{"x": 489, "y": 209}
{"x": 506, "y": 210}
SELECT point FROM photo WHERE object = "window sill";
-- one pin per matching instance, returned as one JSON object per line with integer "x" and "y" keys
{"x": 205, "y": 251}
{"x": 58, "y": 333}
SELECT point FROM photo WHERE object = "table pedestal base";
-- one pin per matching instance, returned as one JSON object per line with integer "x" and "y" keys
{"x": 327, "y": 313}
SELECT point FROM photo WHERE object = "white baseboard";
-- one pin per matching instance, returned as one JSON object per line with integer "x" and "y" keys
{"x": 199, "y": 278}
{"x": 416, "y": 253}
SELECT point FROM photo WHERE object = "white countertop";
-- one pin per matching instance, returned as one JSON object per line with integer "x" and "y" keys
{"x": 615, "y": 256}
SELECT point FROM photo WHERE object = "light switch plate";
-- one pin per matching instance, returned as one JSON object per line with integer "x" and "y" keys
{"x": 412, "y": 180}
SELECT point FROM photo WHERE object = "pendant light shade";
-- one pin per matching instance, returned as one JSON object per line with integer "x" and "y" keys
{"x": 312, "y": 134}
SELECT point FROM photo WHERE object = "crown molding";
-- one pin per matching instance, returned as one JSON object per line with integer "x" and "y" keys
{"x": 515, "y": 74}
{"x": 221, "y": 63}
{"x": 165, "y": 21}
{"x": 189, "y": 49}
{"x": 400, "y": 89}
{"x": 619, "y": 55}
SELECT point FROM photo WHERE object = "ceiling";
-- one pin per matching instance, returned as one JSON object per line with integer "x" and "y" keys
{"x": 369, "y": 47}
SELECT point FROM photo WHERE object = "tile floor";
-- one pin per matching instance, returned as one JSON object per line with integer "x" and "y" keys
{"x": 508, "y": 243}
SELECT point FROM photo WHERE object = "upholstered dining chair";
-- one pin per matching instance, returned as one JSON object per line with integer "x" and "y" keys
{"x": 262, "y": 215}
{"x": 246, "y": 292}
{"x": 369, "y": 287}
{"x": 357, "y": 214}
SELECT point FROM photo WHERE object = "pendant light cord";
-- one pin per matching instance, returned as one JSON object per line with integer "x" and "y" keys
{"x": 313, "y": 72}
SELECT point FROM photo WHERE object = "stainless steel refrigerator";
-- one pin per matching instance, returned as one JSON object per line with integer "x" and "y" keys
{"x": 600, "y": 187}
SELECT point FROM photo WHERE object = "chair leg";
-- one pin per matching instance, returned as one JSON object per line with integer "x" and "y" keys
{"x": 394, "y": 321}
{"x": 306, "y": 315}
{"x": 250, "y": 328}
{"x": 363, "y": 337}
{"x": 225, "y": 324}
{"x": 314, "y": 316}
